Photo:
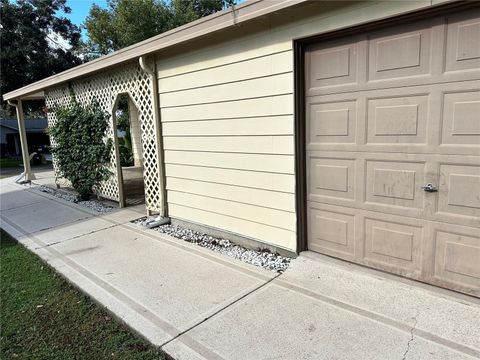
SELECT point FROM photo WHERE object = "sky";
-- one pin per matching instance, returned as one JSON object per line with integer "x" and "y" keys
{"x": 80, "y": 9}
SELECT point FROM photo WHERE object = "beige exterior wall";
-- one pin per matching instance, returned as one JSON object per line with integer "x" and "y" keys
{"x": 135, "y": 133}
{"x": 227, "y": 120}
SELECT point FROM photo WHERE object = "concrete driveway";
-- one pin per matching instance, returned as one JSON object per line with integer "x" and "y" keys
{"x": 196, "y": 304}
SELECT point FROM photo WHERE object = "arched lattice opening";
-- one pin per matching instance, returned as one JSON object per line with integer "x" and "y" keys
{"x": 128, "y": 145}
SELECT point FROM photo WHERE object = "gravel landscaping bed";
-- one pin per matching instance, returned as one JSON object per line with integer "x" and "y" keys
{"x": 91, "y": 204}
{"x": 261, "y": 258}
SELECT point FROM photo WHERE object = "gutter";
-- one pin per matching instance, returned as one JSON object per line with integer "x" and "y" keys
{"x": 150, "y": 70}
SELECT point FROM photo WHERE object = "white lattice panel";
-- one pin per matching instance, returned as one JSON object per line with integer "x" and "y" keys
{"x": 105, "y": 88}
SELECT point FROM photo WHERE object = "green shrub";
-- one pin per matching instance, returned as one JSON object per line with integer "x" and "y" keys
{"x": 80, "y": 149}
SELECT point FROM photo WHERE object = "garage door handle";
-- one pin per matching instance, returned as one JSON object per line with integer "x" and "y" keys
{"x": 429, "y": 188}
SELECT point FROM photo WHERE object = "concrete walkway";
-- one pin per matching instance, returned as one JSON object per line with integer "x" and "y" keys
{"x": 196, "y": 304}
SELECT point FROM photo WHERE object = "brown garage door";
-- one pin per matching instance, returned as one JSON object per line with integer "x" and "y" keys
{"x": 388, "y": 112}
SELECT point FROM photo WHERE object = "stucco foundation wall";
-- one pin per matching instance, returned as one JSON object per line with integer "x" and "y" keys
{"x": 227, "y": 120}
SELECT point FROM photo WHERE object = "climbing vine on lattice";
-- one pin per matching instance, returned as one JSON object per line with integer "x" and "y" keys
{"x": 80, "y": 129}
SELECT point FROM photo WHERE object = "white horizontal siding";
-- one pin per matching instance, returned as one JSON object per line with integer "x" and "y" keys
{"x": 279, "y": 84}
{"x": 227, "y": 121}
{"x": 243, "y": 178}
{"x": 239, "y": 71}
{"x": 223, "y": 55}
{"x": 228, "y": 136}
{"x": 262, "y": 215}
{"x": 268, "y": 125}
{"x": 269, "y": 234}
{"x": 265, "y": 106}
{"x": 242, "y": 144}
{"x": 268, "y": 199}
{"x": 282, "y": 164}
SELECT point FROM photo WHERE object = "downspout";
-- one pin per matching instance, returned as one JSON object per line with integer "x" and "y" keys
{"x": 158, "y": 134}
{"x": 27, "y": 172}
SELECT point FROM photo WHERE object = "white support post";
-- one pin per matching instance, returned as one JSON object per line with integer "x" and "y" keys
{"x": 23, "y": 140}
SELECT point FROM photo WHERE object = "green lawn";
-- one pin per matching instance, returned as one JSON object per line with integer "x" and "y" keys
{"x": 9, "y": 163}
{"x": 44, "y": 317}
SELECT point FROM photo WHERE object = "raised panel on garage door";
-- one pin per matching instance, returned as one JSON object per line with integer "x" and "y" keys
{"x": 459, "y": 193}
{"x": 456, "y": 257}
{"x": 400, "y": 53}
{"x": 332, "y": 122}
{"x": 463, "y": 47}
{"x": 388, "y": 113}
{"x": 397, "y": 119}
{"x": 333, "y": 64}
{"x": 460, "y": 127}
{"x": 394, "y": 245}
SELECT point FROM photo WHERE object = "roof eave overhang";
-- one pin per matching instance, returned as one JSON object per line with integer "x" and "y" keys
{"x": 221, "y": 20}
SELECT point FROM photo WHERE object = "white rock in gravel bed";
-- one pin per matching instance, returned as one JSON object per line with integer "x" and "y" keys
{"x": 95, "y": 205}
{"x": 264, "y": 259}
{"x": 91, "y": 204}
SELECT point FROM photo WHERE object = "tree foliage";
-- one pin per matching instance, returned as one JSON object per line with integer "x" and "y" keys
{"x": 126, "y": 22}
{"x": 123, "y": 23}
{"x": 80, "y": 149}
{"x": 185, "y": 11}
{"x": 30, "y": 50}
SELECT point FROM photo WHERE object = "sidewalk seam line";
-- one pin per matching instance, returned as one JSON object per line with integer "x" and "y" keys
{"x": 76, "y": 236}
{"x": 22, "y": 206}
{"x": 184, "y": 332}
